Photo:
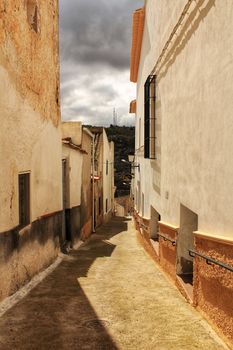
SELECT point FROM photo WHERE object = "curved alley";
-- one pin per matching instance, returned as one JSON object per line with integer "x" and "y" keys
{"x": 109, "y": 294}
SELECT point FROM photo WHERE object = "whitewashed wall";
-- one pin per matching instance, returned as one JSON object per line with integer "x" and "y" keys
{"x": 195, "y": 88}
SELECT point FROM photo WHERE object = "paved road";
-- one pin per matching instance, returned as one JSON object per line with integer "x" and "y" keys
{"x": 107, "y": 295}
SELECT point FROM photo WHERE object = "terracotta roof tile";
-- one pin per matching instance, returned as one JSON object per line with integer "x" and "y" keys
{"x": 133, "y": 105}
{"x": 138, "y": 27}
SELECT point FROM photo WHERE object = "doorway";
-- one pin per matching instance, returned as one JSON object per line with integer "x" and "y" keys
{"x": 185, "y": 242}
{"x": 66, "y": 236}
{"x": 154, "y": 228}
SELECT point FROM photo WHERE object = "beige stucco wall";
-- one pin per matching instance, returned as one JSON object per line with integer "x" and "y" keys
{"x": 30, "y": 137}
{"x": 74, "y": 160}
{"x": 195, "y": 89}
{"x": 108, "y": 178}
{"x": 31, "y": 59}
{"x": 73, "y": 130}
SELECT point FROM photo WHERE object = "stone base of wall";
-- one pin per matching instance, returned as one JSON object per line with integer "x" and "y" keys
{"x": 167, "y": 251}
{"x": 213, "y": 285}
{"x": 25, "y": 252}
{"x": 73, "y": 224}
{"x": 142, "y": 225}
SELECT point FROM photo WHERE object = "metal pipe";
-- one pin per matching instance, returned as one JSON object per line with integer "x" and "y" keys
{"x": 209, "y": 260}
{"x": 165, "y": 238}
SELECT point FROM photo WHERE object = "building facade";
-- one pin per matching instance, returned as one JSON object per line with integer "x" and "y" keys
{"x": 72, "y": 161}
{"x": 87, "y": 218}
{"x": 108, "y": 177}
{"x": 103, "y": 176}
{"x": 30, "y": 141}
{"x": 181, "y": 60}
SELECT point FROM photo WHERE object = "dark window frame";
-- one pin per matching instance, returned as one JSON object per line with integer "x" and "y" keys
{"x": 106, "y": 167}
{"x": 150, "y": 117}
{"x": 24, "y": 198}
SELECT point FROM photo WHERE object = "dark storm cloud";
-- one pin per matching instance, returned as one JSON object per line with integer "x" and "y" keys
{"x": 95, "y": 41}
{"x": 97, "y": 32}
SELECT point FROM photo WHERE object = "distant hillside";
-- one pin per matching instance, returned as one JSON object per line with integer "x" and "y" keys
{"x": 123, "y": 138}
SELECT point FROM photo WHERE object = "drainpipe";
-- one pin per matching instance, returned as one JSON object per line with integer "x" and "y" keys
{"x": 92, "y": 175}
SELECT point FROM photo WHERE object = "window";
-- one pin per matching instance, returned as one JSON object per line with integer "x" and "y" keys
{"x": 24, "y": 199}
{"x": 106, "y": 167}
{"x": 33, "y": 15}
{"x": 149, "y": 117}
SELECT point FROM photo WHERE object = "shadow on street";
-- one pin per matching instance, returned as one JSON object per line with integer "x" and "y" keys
{"x": 57, "y": 314}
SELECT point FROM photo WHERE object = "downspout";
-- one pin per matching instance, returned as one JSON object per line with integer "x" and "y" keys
{"x": 92, "y": 176}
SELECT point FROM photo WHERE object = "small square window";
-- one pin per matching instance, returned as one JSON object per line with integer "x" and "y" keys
{"x": 107, "y": 167}
{"x": 24, "y": 199}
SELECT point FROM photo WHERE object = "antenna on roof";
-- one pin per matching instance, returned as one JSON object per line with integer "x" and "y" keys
{"x": 114, "y": 117}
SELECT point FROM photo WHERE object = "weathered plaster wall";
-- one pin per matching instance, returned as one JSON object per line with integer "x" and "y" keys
{"x": 27, "y": 144}
{"x": 213, "y": 285}
{"x": 74, "y": 159}
{"x": 30, "y": 140}
{"x": 31, "y": 59}
{"x": 29, "y": 110}
{"x": 195, "y": 90}
{"x": 26, "y": 252}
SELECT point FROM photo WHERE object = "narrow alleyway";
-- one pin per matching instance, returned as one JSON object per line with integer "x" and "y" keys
{"x": 107, "y": 295}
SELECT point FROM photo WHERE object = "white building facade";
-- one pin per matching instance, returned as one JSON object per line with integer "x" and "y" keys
{"x": 181, "y": 60}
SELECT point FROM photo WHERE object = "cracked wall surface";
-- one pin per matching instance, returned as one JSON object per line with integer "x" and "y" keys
{"x": 30, "y": 138}
{"x": 31, "y": 59}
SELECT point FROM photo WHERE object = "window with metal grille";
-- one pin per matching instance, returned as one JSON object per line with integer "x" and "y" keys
{"x": 149, "y": 117}
{"x": 24, "y": 199}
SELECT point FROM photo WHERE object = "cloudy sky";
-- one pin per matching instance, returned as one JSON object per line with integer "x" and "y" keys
{"x": 95, "y": 43}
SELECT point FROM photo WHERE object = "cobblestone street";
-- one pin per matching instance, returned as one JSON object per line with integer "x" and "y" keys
{"x": 109, "y": 294}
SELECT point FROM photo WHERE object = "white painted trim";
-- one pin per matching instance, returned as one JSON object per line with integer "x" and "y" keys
{"x": 212, "y": 237}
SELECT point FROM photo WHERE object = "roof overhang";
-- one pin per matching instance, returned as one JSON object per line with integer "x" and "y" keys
{"x": 138, "y": 27}
{"x": 133, "y": 106}
{"x": 68, "y": 142}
